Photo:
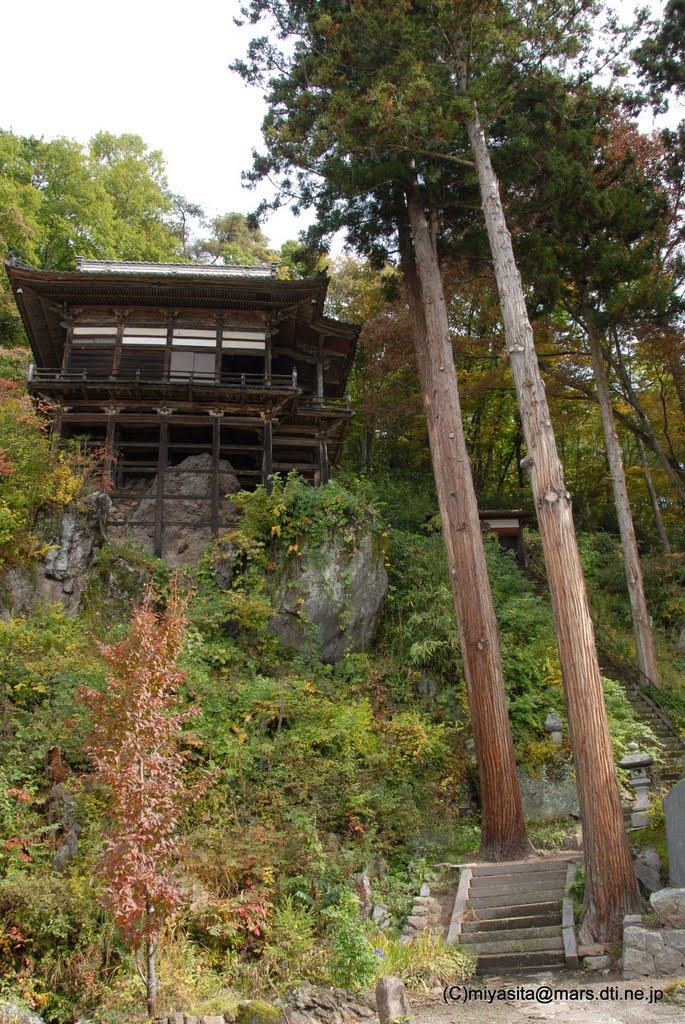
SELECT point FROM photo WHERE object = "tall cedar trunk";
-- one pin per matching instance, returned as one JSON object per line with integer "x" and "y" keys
{"x": 503, "y": 829}
{"x": 642, "y": 622}
{"x": 661, "y": 529}
{"x": 611, "y": 889}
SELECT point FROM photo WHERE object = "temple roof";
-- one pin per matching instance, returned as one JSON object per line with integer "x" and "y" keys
{"x": 172, "y": 269}
{"x": 45, "y": 299}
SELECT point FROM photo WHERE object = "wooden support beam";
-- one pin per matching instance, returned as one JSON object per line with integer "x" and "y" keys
{"x": 323, "y": 461}
{"x": 216, "y": 455}
{"x": 118, "y": 348}
{"x": 319, "y": 371}
{"x": 162, "y": 461}
{"x": 219, "y": 348}
{"x": 268, "y": 457}
{"x": 107, "y": 476}
{"x": 56, "y": 428}
{"x": 267, "y": 356}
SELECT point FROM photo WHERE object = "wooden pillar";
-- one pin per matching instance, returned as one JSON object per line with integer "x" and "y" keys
{"x": 219, "y": 349}
{"x": 162, "y": 461}
{"x": 319, "y": 372}
{"x": 107, "y": 476}
{"x": 268, "y": 456}
{"x": 66, "y": 357}
{"x": 166, "y": 372}
{"x": 118, "y": 343}
{"x": 323, "y": 460}
{"x": 267, "y": 356}
{"x": 216, "y": 482}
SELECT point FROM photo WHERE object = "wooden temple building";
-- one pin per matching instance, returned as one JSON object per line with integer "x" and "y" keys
{"x": 153, "y": 363}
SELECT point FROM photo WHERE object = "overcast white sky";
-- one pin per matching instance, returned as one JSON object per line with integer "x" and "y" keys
{"x": 156, "y": 68}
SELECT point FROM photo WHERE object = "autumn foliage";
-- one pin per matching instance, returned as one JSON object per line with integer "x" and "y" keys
{"x": 136, "y": 723}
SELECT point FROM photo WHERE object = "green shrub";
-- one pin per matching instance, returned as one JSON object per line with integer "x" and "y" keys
{"x": 353, "y": 963}
{"x": 33, "y": 476}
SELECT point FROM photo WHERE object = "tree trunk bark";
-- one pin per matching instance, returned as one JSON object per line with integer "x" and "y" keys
{"x": 151, "y": 972}
{"x": 611, "y": 888}
{"x": 642, "y": 622}
{"x": 661, "y": 528}
{"x": 368, "y": 434}
{"x": 503, "y": 829}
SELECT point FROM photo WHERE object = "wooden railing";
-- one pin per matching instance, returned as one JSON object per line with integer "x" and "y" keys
{"x": 312, "y": 403}
{"x": 250, "y": 381}
{"x": 231, "y": 381}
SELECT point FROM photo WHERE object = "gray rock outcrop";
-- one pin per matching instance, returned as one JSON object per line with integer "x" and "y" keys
{"x": 11, "y": 1013}
{"x": 73, "y": 538}
{"x": 552, "y": 794}
{"x": 329, "y": 600}
{"x": 648, "y": 869}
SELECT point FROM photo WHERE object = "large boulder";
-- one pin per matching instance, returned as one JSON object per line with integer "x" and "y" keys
{"x": 648, "y": 869}
{"x": 329, "y": 598}
{"x": 669, "y": 907}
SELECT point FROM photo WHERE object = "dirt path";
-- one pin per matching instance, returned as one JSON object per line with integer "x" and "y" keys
{"x": 566, "y": 998}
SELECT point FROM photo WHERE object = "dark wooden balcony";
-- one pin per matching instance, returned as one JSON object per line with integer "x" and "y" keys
{"x": 195, "y": 386}
{"x": 180, "y": 386}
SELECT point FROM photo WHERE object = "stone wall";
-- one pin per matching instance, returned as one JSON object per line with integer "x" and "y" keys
{"x": 657, "y": 950}
{"x": 552, "y": 793}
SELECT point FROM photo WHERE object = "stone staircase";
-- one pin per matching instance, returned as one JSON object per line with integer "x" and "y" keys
{"x": 616, "y": 663}
{"x": 515, "y": 916}
{"x": 672, "y": 767}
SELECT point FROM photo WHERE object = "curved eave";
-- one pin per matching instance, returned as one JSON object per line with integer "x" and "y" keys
{"x": 44, "y": 296}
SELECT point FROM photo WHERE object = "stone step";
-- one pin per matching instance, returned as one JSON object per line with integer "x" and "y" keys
{"x": 483, "y": 937}
{"x": 496, "y": 885}
{"x": 511, "y": 867}
{"x": 514, "y": 963}
{"x": 529, "y": 945}
{"x": 517, "y": 900}
{"x": 503, "y": 912}
{"x": 513, "y": 884}
{"x": 551, "y": 920}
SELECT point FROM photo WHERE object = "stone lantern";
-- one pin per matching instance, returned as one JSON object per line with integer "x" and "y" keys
{"x": 554, "y": 726}
{"x": 637, "y": 764}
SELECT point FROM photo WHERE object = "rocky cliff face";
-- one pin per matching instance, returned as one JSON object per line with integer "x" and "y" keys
{"x": 186, "y": 509}
{"x": 72, "y": 539}
{"x": 327, "y": 599}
